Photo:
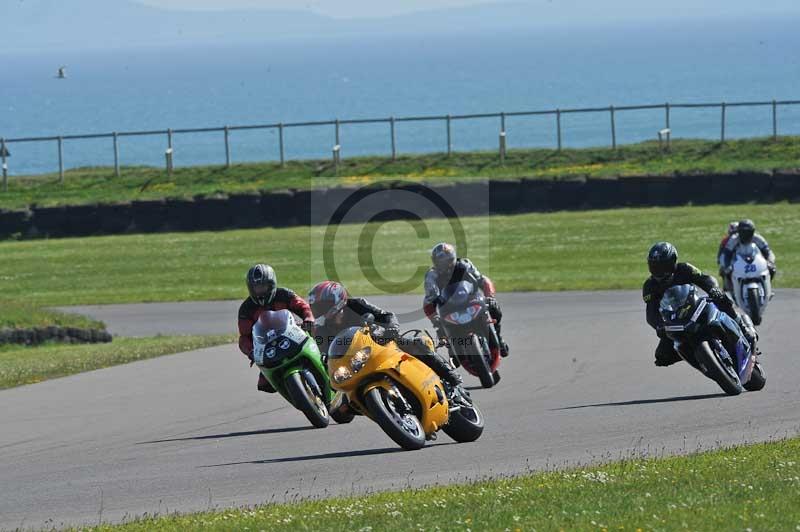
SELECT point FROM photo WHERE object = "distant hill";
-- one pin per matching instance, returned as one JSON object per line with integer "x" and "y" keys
{"x": 36, "y": 24}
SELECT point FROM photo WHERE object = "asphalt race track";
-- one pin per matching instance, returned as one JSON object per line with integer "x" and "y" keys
{"x": 190, "y": 431}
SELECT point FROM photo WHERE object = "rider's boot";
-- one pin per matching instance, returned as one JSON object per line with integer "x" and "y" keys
{"x": 748, "y": 329}
{"x": 503, "y": 345}
{"x": 264, "y": 385}
{"x": 666, "y": 354}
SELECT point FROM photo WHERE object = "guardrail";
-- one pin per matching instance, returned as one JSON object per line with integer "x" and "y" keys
{"x": 391, "y": 122}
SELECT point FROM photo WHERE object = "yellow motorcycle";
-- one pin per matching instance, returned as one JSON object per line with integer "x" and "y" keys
{"x": 400, "y": 393}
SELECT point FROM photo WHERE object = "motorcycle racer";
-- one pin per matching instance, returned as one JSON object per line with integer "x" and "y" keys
{"x": 666, "y": 272}
{"x": 337, "y": 311}
{"x": 265, "y": 294}
{"x": 447, "y": 269}
{"x": 745, "y": 234}
{"x": 733, "y": 227}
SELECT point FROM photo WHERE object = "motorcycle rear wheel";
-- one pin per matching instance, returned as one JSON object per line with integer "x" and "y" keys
{"x": 305, "y": 400}
{"x": 465, "y": 424}
{"x": 404, "y": 429}
{"x": 757, "y": 380}
{"x": 753, "y": 307}
{"x": 725, "y": 377}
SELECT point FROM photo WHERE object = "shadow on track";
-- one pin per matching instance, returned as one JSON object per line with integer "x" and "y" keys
{"x": 326, "y": 456}
{"x": 231, "y": 435}
{"x": 647, "y": 401}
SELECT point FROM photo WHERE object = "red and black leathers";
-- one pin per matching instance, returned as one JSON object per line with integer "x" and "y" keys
{"x": 249, "y": 312}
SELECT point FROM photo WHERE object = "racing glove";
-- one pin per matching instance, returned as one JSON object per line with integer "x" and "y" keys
{"x": 717, "y": 295}
{"x": 308, "y": 325}
{"x": 391, "y": 332}
{"x": 436, "y": 322}
{"x": 772, "y": 268}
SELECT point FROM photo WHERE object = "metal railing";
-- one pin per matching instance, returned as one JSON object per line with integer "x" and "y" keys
{"x": 391, "y": 122}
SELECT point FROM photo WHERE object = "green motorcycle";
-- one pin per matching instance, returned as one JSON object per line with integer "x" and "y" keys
{"x": 290, "y": 360}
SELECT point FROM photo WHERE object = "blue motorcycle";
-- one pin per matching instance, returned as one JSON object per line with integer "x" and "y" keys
{"x": 710, "y": 341}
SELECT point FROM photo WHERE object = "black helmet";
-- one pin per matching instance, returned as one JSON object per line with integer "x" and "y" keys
{"x": 262, "y": 284}
{"x": 746, "y": 231}
{"x": 443, "y": 257}
{"x": 662, "y": 259}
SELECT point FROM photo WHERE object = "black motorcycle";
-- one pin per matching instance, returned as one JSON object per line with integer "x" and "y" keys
{"x": 710, "y": 341}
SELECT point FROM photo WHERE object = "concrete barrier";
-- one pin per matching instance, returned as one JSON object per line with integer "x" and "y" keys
{"x": 246, "y": 209}
{"x": 15, "y": 224}
{"x": 149, "y": 216}
{"x": 285, "y": 208}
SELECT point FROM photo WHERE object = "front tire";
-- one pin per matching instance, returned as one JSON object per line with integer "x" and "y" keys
{"x": 757, "y": 380}
{"x": 403, "y": 428}
{"x": 717, "y": 370}
{"x": 478, "y": 362}
{"x": 465, "y": 424}
{"x": 753, "y": 307}
{"x": 305, "y": 400}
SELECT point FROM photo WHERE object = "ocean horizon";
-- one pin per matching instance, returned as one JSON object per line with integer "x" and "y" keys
{"x": 377, "y": 77}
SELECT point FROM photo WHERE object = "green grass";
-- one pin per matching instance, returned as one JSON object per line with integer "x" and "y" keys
{"x": 588, "y": 250}
{"x": 22, "y": 315}
{"x": 27, "y": 365}
{"x": 99, "y": 185}
{"x": 744, "y": 488}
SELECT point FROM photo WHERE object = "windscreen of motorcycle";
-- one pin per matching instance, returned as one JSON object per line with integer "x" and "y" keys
{"x": 276, "y": 335}
{"x": 457, "y": 294}
{"x": 342, "y": 342}
{"x": 677, "y": 302}
{"x": 748, "y": 252}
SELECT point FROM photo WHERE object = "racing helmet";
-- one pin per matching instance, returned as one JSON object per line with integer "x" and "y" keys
{"x": 662, "y": 261}
{"x": 443, "y": 257}
{"x": 262, "y": 284}
{"x": 327, "y": 299}
{"x": 747, "y": 229}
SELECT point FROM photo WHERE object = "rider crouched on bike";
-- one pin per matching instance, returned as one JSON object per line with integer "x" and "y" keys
{"x": 745, "y": 235}
{"x": 336, "y": 311}
{"x": 262, "y": 284}
{"x": 733, "y": 227}
{"x": 448, "y": 269}
{"x": 666, "y": 272}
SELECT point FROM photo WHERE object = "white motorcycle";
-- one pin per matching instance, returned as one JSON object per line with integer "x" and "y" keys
{"x": 752, "y": 288}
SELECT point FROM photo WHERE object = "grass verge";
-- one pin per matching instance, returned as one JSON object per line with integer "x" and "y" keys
{"x": 588, "y": 250}
{"x": 100, "y": 185}
{"x": 28, "y": 365}
{"x": 744, "y": 488}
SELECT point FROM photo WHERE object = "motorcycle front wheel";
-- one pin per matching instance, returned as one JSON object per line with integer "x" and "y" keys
{"x": 478, "y": 363}
{"x": 717, "y": 370}
{"x": 305, "y": 400}
{"x": 403, "y": 428}
{"x": 753, "y": 305}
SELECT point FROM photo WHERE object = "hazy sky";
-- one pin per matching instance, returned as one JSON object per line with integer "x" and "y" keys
{"x": 379, "y": 8}
{"x": 336, "y": 8}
